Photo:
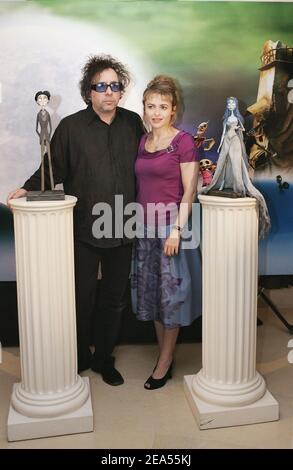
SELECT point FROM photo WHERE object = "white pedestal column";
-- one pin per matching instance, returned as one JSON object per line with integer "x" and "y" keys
{"x": 51, "y": 398}
{"x": 228, "y": 390}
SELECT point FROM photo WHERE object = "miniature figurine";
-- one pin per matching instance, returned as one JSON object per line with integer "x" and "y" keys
{"x": 207, "y": 169}
{"x": 200, "y": 139}
{"x": 44, "y": 130}
{"x": 232, "y": 165}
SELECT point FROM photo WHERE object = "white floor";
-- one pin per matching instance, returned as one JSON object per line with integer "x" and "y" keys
{"x": 130, "y": 417}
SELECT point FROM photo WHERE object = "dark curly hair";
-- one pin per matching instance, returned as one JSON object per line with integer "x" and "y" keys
{"x": 47, "y": 93}
{"x": 96, "y": 64}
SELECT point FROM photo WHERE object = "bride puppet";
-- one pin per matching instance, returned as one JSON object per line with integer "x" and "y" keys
{"x": 232, "y": 165}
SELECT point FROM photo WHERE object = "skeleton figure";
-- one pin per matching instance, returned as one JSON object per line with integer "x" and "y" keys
{"x": 207, "y": 169}
{"x": 200, "y": 139}
{"x": 44, "y": 130}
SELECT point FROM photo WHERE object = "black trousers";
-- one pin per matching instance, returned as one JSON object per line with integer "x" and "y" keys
{"x": 106, "y": 321}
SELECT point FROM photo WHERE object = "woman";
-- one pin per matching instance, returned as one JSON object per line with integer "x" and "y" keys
{"x": 165, "y": 279}
{"x": 232, "y": 164}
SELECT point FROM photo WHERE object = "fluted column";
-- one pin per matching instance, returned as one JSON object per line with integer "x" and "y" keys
{"x": 50, "y": 386}
{"x": 230, "y": 263}
{"x": 230, "y": 258}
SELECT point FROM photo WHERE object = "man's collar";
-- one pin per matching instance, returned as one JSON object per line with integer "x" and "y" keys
{"x": 91, "y": 115}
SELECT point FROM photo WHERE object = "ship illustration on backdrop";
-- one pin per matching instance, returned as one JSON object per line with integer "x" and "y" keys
{"x": 271, "y": 138}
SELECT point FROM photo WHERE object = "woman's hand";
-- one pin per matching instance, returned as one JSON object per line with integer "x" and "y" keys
{"x": 171, "y": 246}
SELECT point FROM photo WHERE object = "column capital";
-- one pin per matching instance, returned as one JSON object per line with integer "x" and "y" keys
{"x": 227, "y": 201}
{"x": 21, "y": 204}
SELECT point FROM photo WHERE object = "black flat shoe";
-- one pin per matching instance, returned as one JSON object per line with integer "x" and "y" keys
{"x": 110, "y": 375}
{"x": 153, "y": 384}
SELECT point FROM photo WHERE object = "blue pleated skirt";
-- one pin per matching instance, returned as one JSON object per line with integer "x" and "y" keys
{"x": 165, "y": 289}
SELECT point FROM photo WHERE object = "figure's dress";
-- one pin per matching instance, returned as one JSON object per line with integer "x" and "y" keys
{"x": 232, "y": 172}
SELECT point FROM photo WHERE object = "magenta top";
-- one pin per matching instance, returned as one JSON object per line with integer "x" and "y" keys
{"x": 158, "y": 173}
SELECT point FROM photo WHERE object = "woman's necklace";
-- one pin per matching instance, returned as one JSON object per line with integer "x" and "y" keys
{"x": 161, "y": 143}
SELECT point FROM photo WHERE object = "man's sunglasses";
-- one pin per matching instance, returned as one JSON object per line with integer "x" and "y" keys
{"x": 101, "y": 87}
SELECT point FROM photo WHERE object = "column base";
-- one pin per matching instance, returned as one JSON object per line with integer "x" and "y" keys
{"x": 241, "y": 394}
{"x": 22, "y": 427}
{"x": 210, "y": 416}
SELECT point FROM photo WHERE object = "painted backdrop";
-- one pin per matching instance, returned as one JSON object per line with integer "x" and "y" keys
{"x": 212, "y": 48}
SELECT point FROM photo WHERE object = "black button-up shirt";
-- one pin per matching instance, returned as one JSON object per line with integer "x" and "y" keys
{"x": 95, "y": 162}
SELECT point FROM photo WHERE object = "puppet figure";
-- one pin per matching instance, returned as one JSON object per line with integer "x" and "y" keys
{"x": 232, "y": 165}
{"x": 207, "y": 169}
{"x": 201, "y": 142}
{"x": 44, "y": 130}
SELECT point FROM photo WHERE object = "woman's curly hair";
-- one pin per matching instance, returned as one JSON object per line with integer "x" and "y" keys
{"x": 96, "y": 64}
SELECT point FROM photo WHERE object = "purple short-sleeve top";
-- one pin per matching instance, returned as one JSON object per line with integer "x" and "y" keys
{"x": 158, "y": 173}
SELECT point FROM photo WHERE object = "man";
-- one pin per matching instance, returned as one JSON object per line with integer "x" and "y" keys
{"x": 93, "y": 154}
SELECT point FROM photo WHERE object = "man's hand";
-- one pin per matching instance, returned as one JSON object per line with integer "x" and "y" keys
{"x": 171, "y": 246}
{"x": 16, "y": 194}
